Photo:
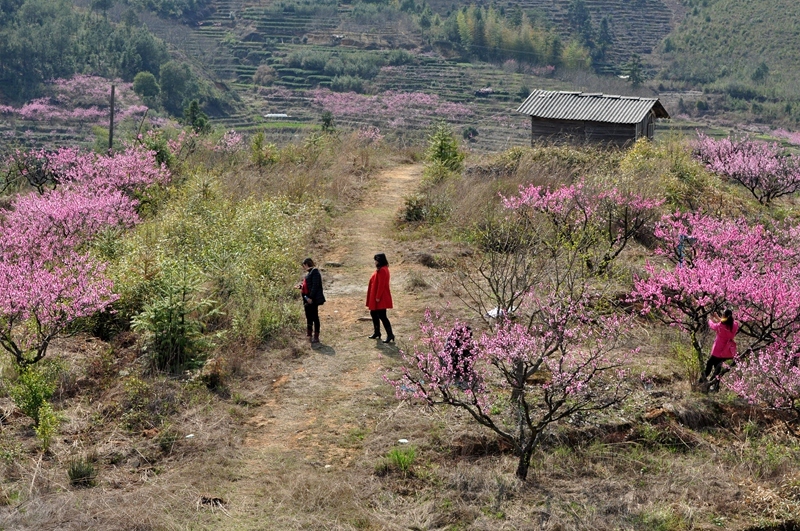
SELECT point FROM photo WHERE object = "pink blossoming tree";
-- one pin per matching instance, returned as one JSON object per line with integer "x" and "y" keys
{"x": 552, "y": 344}
{"x": 48, "y": 277}
{"x": 771, "y": 377}
{"x": 600, "y": 222}
{"x": 562, "y": 363}
{"x": 764, "y": 169}
{"x": 708, "y": 264}
{"x": 39, "y": 299}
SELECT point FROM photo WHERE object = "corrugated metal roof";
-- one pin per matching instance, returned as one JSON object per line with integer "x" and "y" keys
{"x": 593, "y": 107}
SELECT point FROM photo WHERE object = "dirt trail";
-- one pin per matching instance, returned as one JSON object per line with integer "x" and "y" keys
{"x": 308, "y": 410}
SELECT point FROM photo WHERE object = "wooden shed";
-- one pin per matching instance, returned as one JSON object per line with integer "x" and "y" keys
{"x": 591, "y": 117}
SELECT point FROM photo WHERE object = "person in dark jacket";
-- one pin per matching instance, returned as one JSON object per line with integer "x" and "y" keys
{"x": 313, "y": 298}
{"x": 379, "y": 298}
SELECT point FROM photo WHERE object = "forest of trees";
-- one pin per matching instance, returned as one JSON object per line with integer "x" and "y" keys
{"x": 48, "y": 39}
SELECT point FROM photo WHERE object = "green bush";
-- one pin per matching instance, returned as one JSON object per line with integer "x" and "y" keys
{"x": 173, "y": 323}
{"x": 262, "y": 153}
{"x": 205, "y": 247}
{"x": 47, "y": 425}
{"x": 34, "y": 388}
{"x": 82, "y": 473}
{"x": 399, "y": 57}
{"x": 443, "y": 148}
{"x": 158, "y": 142}
{"x": 347, "y": 84}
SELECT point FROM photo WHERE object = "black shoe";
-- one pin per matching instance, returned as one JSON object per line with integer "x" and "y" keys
{"x": 376, "y": 335}
{"x": 389, "y": 339}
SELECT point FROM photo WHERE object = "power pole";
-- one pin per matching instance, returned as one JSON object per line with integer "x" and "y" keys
{"x": 111, "y": 124}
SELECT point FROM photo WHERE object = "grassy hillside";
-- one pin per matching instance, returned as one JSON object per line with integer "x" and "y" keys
{"x": 272, "y": 432}
{"x": 744, "y": 53}
{"x": 712, "y": 60}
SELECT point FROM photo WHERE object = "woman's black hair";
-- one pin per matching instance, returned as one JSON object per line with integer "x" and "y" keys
{"x": 381, "y": 259}
{"x": 727, "y": 318}
{"x": 309, "y": 262}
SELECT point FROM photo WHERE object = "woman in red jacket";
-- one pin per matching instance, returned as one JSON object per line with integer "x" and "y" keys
{"x": 379, "y": 298}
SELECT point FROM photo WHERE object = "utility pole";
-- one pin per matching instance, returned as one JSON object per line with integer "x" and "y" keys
{"x": 111, "y": 123}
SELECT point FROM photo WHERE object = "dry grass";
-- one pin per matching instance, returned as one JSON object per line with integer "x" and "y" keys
{"x": 330, "y": 169}
{"x": 295, "y": 441}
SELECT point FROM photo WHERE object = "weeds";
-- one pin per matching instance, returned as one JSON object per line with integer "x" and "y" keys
{"x": 167, "y": 438}
{"x": 82, "y": 472}
{"x": 416, "y": 282}
{"x": 399, "y": 459}
{"x": 147, "y": 405}
{"x": 687, "y": 361}
{"x": 661, "y": 519}
{"x": 34, "y": 387}
{"x": 47, "y": 427}
{"x": 764, "y": 457}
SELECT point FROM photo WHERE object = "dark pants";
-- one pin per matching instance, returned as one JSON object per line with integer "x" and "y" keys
{"x": 715, "y": 364}
{"x": 312, "y": 317}
{"x": 378, "y": 317}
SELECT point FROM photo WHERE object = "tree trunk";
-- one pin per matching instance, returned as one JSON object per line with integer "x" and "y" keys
{"x": 519, "y": 385}
{"x": 524, "y": 464}
{"x": 697, "y": 350}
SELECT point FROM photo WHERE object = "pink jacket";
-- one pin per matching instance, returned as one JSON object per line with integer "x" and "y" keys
{"x": 724, "y": 345}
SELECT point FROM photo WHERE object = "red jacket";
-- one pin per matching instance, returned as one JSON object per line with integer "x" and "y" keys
{"x": 378, "y": 295}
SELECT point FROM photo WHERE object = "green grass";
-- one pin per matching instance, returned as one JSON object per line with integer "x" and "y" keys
{"x": 721, "y": 44}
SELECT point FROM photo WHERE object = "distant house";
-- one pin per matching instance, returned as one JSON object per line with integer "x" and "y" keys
{"x": 591, "y": 117}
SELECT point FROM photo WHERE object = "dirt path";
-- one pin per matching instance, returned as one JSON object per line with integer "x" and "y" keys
{"x": 309, "y": 410}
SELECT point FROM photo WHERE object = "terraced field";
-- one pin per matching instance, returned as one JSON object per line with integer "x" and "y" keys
{"x": 239, "y": 35}
{"x": 637, "y": 26}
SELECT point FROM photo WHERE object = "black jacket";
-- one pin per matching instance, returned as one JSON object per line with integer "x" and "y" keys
{"x": 314, "y": 284}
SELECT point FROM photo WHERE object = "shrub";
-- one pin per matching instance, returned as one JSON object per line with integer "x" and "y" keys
{"x": 436, "y": 172}
{"x": 206, "y": 247}
{"x": 328, "y": 125}
{"x": 426, "y": 207}
{"x": 173, "y": 322}
{"x": 399, "y": 57}
{"x": 47, "y": 426}
{"x": 262, "y": 152}
{"x": 470, "y": 133}
{"x": 34, "y": 387}
{"x": 347, "y": 83}
{"x": 264, "y": 76}
{"x": 82, "y": 473}
{"x": 443, "y": 148}
{"x": 400, "y": 459}
{"x": 194, "y": 117}
{"x": 157, "y": 142}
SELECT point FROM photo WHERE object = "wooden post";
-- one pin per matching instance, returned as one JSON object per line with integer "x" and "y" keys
{"x": 111, "y": 124}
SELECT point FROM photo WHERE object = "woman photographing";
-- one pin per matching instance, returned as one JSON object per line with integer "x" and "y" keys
{"x": 724, "y": 347}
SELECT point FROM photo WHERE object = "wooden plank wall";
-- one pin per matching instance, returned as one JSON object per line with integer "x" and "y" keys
{"x": 580, "y": 132}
